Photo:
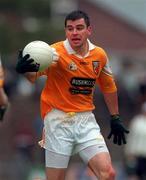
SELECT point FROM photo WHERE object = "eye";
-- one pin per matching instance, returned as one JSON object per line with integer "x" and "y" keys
{"x": 80, "y": 27}
{"x": 69, "y": 28}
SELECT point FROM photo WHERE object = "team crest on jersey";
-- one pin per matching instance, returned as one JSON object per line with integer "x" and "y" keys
{"x": 72, "y": 66}
{"x": 95, "y": 66}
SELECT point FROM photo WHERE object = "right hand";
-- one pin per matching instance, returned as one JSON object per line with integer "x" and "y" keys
{"x": 26, "y": 64}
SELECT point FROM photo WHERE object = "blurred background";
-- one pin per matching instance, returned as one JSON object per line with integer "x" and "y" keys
{"x": 118, "y": 26}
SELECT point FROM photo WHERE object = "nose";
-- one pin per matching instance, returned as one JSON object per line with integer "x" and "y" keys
{"x": 74, "y": 31}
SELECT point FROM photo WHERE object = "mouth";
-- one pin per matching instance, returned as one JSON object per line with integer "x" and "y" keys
{"x": 75, "y": 40}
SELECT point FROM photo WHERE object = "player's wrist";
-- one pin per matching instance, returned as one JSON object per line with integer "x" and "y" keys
{"x": 115, "y": 116}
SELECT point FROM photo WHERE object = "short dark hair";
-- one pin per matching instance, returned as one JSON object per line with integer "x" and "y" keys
{"x": 78, "y": 14}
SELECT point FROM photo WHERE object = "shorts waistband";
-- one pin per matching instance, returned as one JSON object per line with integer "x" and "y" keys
{"x": 71, "y": 114}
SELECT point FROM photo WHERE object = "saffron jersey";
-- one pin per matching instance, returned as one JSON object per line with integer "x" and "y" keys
{"x": 71, "y": 81}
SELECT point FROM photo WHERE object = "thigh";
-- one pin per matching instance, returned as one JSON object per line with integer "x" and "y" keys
{"x": 55, "y": 174}
{"x": 89, "y": 152}
{"x": 101, "y": 162}
{"x": 56, "y": 165}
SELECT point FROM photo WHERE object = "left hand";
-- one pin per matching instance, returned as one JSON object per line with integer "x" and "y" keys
{"x": 117, "y": 130}
{"x": 2, "y": 112}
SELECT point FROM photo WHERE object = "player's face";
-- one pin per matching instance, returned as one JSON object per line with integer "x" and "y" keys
{"x": 77, "y": 32}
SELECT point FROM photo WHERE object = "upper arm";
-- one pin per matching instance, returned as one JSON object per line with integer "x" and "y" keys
{"x": 106, "y": 83}
{"x": 32, "y": 76}
{"x": 106, "y": 80}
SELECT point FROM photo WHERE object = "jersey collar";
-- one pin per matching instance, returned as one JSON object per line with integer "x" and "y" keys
{"x": 71, "y": 51}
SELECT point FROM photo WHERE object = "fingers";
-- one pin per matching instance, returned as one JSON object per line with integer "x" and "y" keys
{"x": 20, "y": 54}
{"x": 26, "y": 57}
{"x": 118, "y": 139}
{"x": 123, "y": 139}
{"x": 115, "y": 139}
{"x": 110, "y": 135}
{"x": 33, "y": 67}
{"x": 26, "y": 65}
{"x": 29, "y": 61}
{"x": 126, "y": 131}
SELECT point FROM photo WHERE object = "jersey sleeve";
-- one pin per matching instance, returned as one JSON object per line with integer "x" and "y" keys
{"x": 106, "y": 80}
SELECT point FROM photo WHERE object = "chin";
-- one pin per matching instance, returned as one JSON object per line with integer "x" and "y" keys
{"x": 76, "y": 45}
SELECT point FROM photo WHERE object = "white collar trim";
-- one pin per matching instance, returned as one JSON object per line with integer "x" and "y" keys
{"x": 71, "y": 51}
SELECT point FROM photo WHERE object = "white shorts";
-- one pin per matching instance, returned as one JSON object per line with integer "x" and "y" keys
{"x": 68, "y": 133}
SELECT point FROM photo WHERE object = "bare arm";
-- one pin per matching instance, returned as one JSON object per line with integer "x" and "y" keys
{"x": 31, "y": 76}
{"x": 108, "y": 87}
{"x": 3, "y": 97}
{"x": 111, "y": 101}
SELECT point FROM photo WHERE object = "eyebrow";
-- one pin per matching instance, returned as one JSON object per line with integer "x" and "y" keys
{"x": 76, "y": 25}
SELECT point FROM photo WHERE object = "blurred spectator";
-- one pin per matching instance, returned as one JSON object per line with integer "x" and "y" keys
{"x": 24, "y": 140}
{"x": 135, "y": 149}
{"x": 3, "y": 95}
{"x": 142, "y": 88}
{"x": 130, "y": 73}
{"x": 37, "y": 173}
{"x": 24, "y": 87}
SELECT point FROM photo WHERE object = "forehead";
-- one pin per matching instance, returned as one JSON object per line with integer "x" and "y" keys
{"x": 76, "y": 22}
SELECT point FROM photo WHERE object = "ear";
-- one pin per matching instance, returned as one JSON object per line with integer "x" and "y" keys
{"x": 89, "y": 30}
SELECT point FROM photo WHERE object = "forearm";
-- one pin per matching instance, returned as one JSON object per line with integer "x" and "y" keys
{"x": 111, "y": 100}
{"x": 31, "y": 76}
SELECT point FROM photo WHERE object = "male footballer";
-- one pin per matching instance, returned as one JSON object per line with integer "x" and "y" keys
{"x": 67, "y": 101}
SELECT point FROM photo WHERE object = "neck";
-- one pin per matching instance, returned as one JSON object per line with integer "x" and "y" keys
{"x": 82, "y": 50}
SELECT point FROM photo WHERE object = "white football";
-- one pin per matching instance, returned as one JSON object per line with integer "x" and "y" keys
{"x": 40, "y": 52}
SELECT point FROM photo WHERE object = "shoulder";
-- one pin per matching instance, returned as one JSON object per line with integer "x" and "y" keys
{"x": 100, "y": 54}
{"x": 57, "y": 45}
{"x": 100, "y": 51}
{"x": 96, "y": 49}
